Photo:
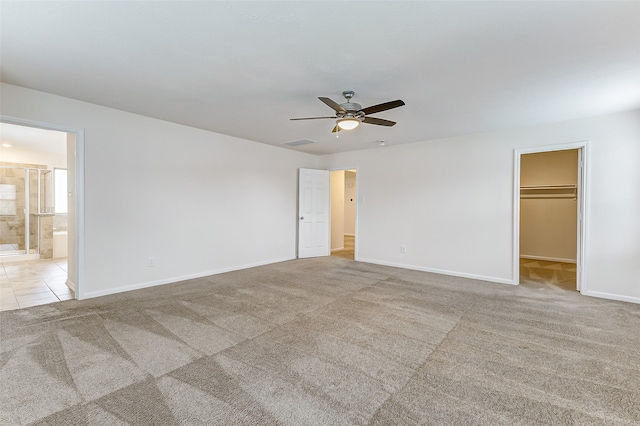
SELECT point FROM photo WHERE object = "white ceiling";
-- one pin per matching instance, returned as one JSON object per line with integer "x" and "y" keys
{"x": 245, "y": 68}
{"x": 32, "y": 139}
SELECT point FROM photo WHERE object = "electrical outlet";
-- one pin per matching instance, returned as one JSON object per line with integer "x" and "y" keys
{"x": 403, "y": 249}
{"x": 151, "y": 262}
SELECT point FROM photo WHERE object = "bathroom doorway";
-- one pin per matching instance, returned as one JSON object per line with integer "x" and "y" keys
{"x": 343, "y": 213}
{"x": 35, "y": 218}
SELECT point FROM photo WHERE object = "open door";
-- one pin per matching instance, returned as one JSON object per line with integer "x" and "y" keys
{"x": 558, "y": 191}
{"x": 313, "y": 213}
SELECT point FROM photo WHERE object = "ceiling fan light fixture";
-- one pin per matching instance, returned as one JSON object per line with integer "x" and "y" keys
{"x": 349, "y": 115}
{"x": 348, "y": 123}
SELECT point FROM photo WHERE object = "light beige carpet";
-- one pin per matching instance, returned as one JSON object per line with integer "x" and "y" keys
{"x": 324, "y": 342}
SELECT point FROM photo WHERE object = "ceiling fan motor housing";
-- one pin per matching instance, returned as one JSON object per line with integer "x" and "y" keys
{"x": 351, "y": 107}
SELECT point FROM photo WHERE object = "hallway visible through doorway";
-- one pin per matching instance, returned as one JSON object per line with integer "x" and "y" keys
{"x": 349, "y": 248}
{"x": 343, "y": 212}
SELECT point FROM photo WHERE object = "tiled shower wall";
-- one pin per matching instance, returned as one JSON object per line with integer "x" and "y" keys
{"x": 60, "y": 222}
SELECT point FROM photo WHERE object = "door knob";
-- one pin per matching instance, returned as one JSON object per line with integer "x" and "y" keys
{"x": 301, "y": 217}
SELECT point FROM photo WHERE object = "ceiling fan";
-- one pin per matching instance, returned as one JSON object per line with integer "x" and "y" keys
{"x": 349, "y": 115}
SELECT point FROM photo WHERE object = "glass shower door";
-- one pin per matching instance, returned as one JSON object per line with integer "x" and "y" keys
{"x": 26, "y": 195}
{"x": 13, "y": 218}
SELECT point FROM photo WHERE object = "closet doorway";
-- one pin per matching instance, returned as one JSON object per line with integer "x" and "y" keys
{"x": 343, "y": 213}
{"x": 550, "y": 220}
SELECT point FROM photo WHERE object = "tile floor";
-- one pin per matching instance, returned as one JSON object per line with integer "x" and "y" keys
{"x": 33, "y": 282}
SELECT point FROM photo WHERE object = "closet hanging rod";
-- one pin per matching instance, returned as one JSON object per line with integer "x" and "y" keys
{"x": 560, "y": 191}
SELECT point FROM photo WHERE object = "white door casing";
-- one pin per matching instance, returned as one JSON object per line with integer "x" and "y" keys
{"x": 313, "y": 213}
{"x": 582, "y": 192}
{"x": 75, "y": 158}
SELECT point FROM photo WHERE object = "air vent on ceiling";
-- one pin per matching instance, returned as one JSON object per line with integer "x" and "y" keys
{"x": 298, "y": 143}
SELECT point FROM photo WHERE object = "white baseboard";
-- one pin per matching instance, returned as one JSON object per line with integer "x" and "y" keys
{"x": 439, "y": 271}
{"x": 138, "y": 286}
{"x": 337, "y": 249}
{"x": 548, "y": 259}
{"x": 610, "y": 296}
{"x": 597, "y": 294}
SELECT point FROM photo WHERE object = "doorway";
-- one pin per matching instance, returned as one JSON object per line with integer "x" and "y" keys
{"x": 56, "y": 211}
{"x": 343, "y": 213}
{"x": 549, "y": 201}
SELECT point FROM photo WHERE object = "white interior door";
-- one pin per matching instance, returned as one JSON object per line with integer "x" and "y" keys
{"x": 313, "y": 213}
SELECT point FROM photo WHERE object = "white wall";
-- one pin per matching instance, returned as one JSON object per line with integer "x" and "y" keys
{"x": 199, "y": 202}
{"x": 450, "y": 201}
{"x": 337, "y": 210}
{"x": 202, "y": 202}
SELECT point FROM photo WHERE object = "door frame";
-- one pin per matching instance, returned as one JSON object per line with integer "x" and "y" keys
{"x": 357, "y": 233}
{"x": 582, "y": 213}
{"x": 78, "y": 189}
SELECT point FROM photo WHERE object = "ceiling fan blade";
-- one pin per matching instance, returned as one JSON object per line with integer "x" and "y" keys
{"x": 312, "y": 118}
{"x": 334, "y": 105}
{"x": 378, "y": 121}
{"x": 382, "y": 107}
{"x": 336, "y": 129}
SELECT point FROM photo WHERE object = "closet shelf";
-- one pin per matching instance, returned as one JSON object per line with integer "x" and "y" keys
{"x": 548, "y": 186}
{"x": 549, "y": 191}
